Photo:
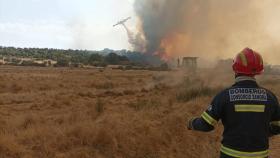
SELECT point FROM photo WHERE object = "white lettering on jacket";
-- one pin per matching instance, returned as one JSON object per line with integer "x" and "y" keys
{"x": 251, "y": 94}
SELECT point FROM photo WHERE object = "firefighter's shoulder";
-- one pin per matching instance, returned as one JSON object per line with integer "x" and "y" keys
{"x": 270, "y": 95}
{"x": 222, "y": 95}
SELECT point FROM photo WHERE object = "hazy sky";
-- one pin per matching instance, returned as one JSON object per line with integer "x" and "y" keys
{"x": 77, "y": 24}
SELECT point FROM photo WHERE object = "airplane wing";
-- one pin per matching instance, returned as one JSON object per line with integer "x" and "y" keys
{"x": 116, "y": 24}
{"x": 122, "y": 21}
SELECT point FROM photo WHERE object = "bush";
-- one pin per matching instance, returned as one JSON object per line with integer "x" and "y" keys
{"x": 115, "y": 59}
{"x": 32, "y": 63}
{"x": 99, "y": 106}
{"x": 95, "y": 58}
{"x": 164, "y": 67}
{"x": 192, "y": 93}
{"x": 62, "y": 62}
{"x": 141, "y": 104}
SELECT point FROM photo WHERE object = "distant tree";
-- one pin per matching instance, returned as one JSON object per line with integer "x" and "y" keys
{"x": 268, "y": 69}
{"x": 123, "y": 58}
{"x": 112, "y": 58}
{"x": 95, "y": 59}
{"x": 115, "y": 59}
{"x": 63, "y": 61}
{"x": 164, "y": 66}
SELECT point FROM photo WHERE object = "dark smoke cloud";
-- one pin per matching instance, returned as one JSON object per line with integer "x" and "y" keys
{"x": 213, "y": 28}
{"x": 162, "y": 17}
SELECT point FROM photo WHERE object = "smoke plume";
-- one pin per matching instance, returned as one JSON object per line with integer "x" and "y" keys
{"x": 208, "y": 28}
{"x": 135, "y": 40}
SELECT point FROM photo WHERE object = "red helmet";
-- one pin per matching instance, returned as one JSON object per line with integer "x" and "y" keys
{"x": 248, "y": 62}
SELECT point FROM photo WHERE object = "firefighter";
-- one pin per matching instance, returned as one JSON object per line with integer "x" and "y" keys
{"x": 249, "y": 113}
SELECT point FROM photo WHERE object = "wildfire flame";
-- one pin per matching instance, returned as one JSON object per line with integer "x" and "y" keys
{"x": 173, "y": 45}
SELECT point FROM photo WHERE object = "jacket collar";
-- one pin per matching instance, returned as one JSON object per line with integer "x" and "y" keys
{"x": 244, "y": 78}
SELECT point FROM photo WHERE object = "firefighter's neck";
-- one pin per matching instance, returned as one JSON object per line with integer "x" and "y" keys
{"x": 244, "y": 78}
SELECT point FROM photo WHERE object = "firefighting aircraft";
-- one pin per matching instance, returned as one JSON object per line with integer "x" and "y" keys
{"x": 122, "y": 21}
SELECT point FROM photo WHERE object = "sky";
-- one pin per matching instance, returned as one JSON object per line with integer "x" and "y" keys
{"x": 65, "y": 24}
{"x": 88, "y": 24}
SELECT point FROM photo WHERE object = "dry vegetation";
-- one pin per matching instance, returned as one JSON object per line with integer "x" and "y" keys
{"x": 76, "y": 113}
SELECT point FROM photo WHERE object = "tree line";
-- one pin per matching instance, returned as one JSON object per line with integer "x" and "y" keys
{"x": 64, "y": 57}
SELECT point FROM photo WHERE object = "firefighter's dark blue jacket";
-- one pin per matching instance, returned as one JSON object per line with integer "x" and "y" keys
{"x": 250, "y": 115}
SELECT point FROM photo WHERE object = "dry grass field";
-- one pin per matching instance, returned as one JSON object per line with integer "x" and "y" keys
{"x": 85, "y": 113}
